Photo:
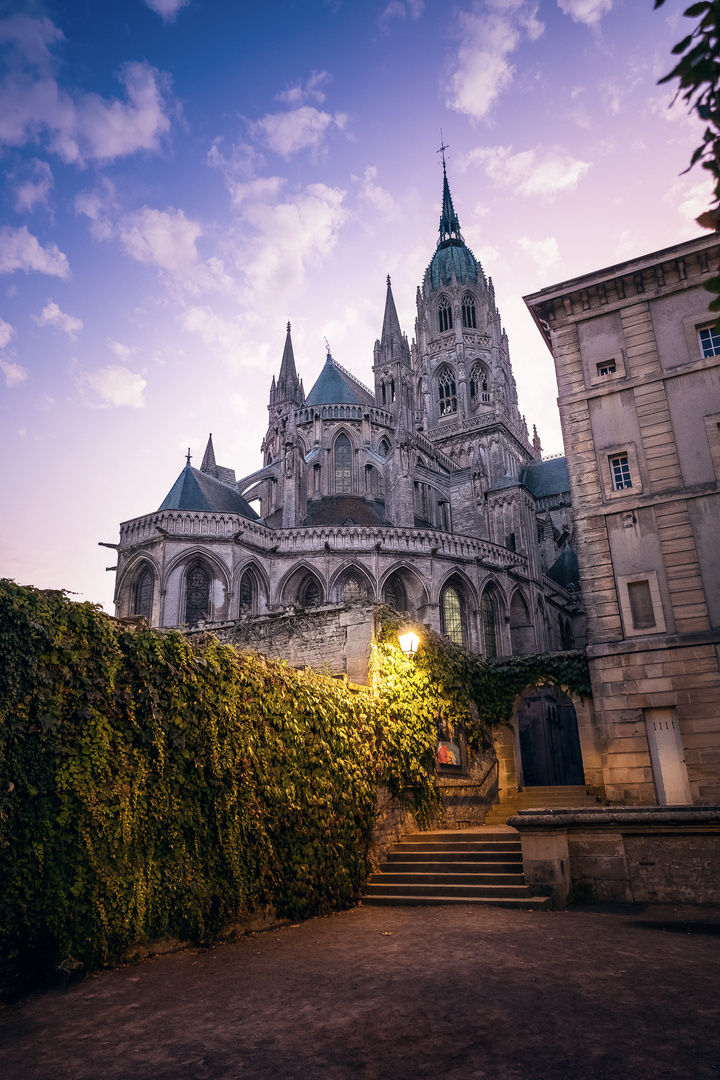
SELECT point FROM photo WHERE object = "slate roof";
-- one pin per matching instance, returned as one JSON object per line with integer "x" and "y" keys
{"x": 196, "y": 490}
{"x": 453, "y": 255}
{"x": 565, "y": 570}
{"x": 545, "y": 478}
{"x": 345, "y": 510}
{"x": 505, "y": 482}
{"x": 334, "y": 387}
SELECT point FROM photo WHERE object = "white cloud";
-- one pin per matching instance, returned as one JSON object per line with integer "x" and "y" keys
{"x": 20, "y": 250}
{"x": 116, "y": 385}
{"x": 164, "y": 238}
{"x": 51, "y": 315}
{"x": 376, "y": 196}
{"x": 291, "y": 235}
{"x": 14, "y": 374}
{"x": 690, "y": 199}
{"x": 99, "y": 205}
{"x": 538, "y": 172}
{"x": 310, "y": 90}
{"x": 35, "y": 189}
{"x": 6, "y": 332}
{"x": 589, "y": 12}
{"x": 490, "y": 32}
{"x": 78, "y": 126}
{"x": 544, "y": 253}
{"x": 400, "y": 9}
{"x": 304, "y": 128}
{"x": 166, "y": 9}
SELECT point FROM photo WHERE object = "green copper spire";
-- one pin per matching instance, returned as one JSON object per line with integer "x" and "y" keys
{"x": 449, "y": 224}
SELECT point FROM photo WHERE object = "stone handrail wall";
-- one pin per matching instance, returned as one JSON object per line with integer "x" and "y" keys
{"x": 306, "y": 414}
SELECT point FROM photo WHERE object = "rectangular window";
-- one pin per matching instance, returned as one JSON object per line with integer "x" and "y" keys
{"x": 709, "y": 341}
{"x": 641, "y": 605}
{"x": 620, "y": 472}
{"x": 609, "y": 367}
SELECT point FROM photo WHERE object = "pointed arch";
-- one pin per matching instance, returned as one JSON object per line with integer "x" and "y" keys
{"x": 252, "y": 588}
{"x": 469, "y": 319}
{"x": 342, "y": 464}
{"x": 198, "y": 581}
{"x": 479, "y": 384}
{"x": 522, "y": 635}
{"x": 446, "y": 391}
{"x": 491, "y": 608}
{"x": 445, "y": 315}
{"x": 402, "y": 588}
{"x": 352, "y": 582}
{"x": 303, "y": 587}
{"x": 383, "y": 447}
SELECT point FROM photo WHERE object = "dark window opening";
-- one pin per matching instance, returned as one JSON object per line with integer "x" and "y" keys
{"x": 143, "y": 594}
{"x": 489, "y": 624}
{"x": 452, "y": 615}
{"x": 445, "y": 319}
{"x": 468, "y": 313}
{"x": 197, "y": 600}
{"x": 313, "y": 594}
{"x": 447, "y": 393}
{"x": 343, "y": 465}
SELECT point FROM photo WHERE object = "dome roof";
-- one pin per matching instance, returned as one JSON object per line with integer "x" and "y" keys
{"x": 452, "y": 255}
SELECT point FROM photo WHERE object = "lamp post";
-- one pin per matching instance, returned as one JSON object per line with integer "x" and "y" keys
{"x": 409, "y": 642}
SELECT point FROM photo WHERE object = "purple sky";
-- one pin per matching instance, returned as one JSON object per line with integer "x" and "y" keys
{"x": 181, "y": 177}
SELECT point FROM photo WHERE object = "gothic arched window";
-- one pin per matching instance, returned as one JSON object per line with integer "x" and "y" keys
{"x": 143, "y": 594}
{"x": 197, "y": 595}
{"x": 343, "y": 465}
{"x": 248, "y": 593}
{"x": 392, "y": 390}
{"x": 468, "y": 312}
{"x": 394, "y": 594}
{"x": 489, "y": 622}
{"x": 384, "y": 448}
{"x": 312, "y": 594}
{"x": 447, "y": 392}
{"x": 445, "y": 319}
{"x": 452, "y": 615}
{"x": 478, "y": 384}
{"x": 352, "y": 588}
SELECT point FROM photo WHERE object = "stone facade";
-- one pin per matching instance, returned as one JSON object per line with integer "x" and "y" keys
{"x": 424, "y": 493}
{"x": 639, "y": 395}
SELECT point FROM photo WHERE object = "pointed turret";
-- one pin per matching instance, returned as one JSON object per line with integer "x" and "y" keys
{"x": 449, "y": 224}
{"x": 287, "y": 388}
{"x": 209, "y": 464}
{"x": 391, "y": 324}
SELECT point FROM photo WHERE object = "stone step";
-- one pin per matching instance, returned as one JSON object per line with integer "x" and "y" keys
{"x": 478, "y": 847}
{"x": 530, "y": 903}
{"x": 461, "y": 836}
{"x": 418, "y": 876}
{"x": 470, "y": 860}
{"x": 408, "y": 888}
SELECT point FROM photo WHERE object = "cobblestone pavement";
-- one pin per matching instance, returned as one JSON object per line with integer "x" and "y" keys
{"x": 452, "y": 992}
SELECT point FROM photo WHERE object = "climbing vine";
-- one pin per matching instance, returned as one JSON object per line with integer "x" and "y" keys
{"x": 151, "y": 785}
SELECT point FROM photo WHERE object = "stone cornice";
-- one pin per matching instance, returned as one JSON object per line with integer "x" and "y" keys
{"x": 656, "y": 274}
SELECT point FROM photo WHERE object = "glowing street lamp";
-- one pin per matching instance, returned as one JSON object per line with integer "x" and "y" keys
{"x": 409, "y": 642}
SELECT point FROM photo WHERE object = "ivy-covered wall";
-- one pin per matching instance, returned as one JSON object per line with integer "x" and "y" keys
{"x": 154, "y": 786}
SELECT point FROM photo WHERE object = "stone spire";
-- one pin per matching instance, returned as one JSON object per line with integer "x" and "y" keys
{"x": 449, "y": 224}
{"x": 288, "y": 384}
{"x": 208, "y": 462}
{"x": 391, "y": 324}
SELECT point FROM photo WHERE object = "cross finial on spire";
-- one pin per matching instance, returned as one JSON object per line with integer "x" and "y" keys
{"x": 388, "y": 279}
{"x": 288, "y": 326}
{"x": 327, "y": 346}
{"x": 189, "y": 455}
{"x": 443, "y": 148}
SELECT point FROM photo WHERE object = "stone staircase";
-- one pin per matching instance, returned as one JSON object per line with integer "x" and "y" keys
{"x": 472, "y": 866}
{"x": 545, "y": 798}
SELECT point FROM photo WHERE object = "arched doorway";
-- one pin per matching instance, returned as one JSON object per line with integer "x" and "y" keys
{"x": 549, "y": 740}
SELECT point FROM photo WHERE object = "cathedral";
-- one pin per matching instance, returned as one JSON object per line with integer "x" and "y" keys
{"x": 424, "y": 493}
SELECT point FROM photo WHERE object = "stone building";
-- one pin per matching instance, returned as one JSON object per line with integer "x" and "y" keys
{"x": 424, "y": 492}
{"x": 637, "y": 361}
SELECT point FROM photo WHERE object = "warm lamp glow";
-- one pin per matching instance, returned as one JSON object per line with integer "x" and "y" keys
{"x": 409, "y": 643}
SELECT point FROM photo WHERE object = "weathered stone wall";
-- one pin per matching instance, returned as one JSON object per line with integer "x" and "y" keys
{"x": 336, "y": 639}
{"x": 635, "y": 855}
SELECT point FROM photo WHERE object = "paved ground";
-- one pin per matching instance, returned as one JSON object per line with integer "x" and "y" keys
{"x": 453, "y": 993}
